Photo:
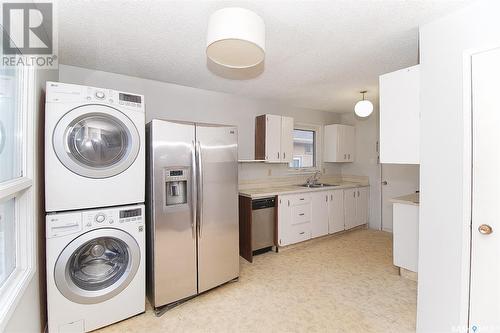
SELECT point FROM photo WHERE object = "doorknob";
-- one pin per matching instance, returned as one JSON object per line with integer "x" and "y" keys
{"x": 485, "y": 229}
{"x": 385, "y": 182}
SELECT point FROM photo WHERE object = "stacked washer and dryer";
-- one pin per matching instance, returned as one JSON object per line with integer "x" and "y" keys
{"x": 94, "y": 195}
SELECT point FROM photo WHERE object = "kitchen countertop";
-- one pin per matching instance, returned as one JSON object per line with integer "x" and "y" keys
{"x": 409, "y": 199}
{"x": 263, "y": 192}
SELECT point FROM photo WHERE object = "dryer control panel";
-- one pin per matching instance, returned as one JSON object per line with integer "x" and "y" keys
{"x": 66, "y": 93}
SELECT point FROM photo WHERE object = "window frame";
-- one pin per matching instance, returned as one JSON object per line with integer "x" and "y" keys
{"x": 22, "y": 190}
{"x": 318, "y": 135}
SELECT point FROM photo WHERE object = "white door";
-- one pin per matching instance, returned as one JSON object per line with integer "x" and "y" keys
{"x": 485, "y": 266}
{"x": 350, "y": 208}
{"x": 397, "y": 180}
{"x": 336, "y": 211}
{"x": 273, "y": 138}
{"x": 319, "y": 218}
{"x": 286, "y": 139}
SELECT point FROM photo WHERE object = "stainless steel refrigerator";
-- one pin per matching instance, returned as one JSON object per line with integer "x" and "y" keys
{"x": 192, "y": 202}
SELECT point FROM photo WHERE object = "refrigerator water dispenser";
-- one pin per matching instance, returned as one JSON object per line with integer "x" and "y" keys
{"x": 176, "y": 186}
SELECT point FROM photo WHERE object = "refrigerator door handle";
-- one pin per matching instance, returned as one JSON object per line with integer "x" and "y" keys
{"x": 200, "y": 189}
{"x": 194, "y": 199}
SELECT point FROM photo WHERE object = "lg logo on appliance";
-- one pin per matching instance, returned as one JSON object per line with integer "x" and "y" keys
{"x": 28, "y": 30}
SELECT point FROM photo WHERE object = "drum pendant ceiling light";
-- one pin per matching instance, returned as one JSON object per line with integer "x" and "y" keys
{"x": 236, "y": 38}
{"x": 363, "y": 108}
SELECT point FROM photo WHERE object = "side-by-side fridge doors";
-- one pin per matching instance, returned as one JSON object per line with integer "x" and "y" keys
{"x": 218, "y": 240}
{"x": 172, "y": 228}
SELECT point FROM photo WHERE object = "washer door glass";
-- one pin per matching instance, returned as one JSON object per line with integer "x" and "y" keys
{"x": 96, "y": 141}
{"x": 97, "y": 265}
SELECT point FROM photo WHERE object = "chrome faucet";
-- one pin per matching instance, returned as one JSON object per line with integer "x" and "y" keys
{"x": 312, "y": 180}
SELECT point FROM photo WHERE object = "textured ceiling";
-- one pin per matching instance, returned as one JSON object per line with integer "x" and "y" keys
{"x": 319, "y": 54}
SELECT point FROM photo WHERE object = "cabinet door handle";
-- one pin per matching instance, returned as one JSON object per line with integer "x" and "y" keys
{"x": 326, "y": 198}
{"x": 331, "y": 196}
{"x": 301, "y": 214}
{"x": 284, "y": 154}
{"x": 345, "y": 156}
{"x": 354, "y": 194}
{"x": 349, "y": 156}
{"x": 303, "y": 232}
{"x": 302, "y": 199}
{"x": 278, "y": 155}
{"x": 358, "y": 193}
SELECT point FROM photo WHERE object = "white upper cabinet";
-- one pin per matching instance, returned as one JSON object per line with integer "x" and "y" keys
{"x": 400, "y": 116}
{"x": 339, "y": 143}
{"x": 274, "y": 138}
{"x": 286, "y": 139}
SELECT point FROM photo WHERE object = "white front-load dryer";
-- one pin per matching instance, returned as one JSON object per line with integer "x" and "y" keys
{"x": 95, "y": 267}
{"x": 94, "y": 147}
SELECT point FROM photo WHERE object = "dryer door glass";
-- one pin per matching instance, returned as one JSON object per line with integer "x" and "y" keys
{"x": 97, "y": 265}
{"x": 96, "y": 141}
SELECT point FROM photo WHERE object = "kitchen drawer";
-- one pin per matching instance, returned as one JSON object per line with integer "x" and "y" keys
{"x": 299, "y": 233}
{"x": 299, "y": 199}
{"x": 301, "y": 213}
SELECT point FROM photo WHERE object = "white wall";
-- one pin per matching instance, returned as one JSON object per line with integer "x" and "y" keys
{"x": 443, "y": 232}
{"x": 30, "y": 313}
{"x": 171, "y": 101}
{"x": 366, "y": 163}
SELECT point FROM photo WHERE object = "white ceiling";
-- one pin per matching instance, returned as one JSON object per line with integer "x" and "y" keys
{"x": 319, "y": 54}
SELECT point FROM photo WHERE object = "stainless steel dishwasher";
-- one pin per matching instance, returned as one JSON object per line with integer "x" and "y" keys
{"x": 263, "y": 212}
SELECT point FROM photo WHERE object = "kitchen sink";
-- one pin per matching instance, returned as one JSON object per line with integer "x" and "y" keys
{"x": 317, "y": 185}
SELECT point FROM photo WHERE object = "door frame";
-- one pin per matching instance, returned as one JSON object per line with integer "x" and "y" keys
{"x": 467, "y": 183}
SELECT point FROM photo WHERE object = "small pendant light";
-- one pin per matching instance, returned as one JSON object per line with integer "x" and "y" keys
{"x": 236, "y": 38}
{"x": 363, "y": 108}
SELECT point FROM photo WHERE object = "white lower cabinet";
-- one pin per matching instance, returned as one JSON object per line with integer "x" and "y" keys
{"x": 355, "y": 207}
{"x": 294, "y": 218}
{"x": 315, "y": 214}
{"x": 336, "y": 220}
{"x": 320, "y": 212}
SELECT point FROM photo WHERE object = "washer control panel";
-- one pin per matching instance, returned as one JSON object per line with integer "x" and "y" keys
{"x": 62, "y": 224}
{"x": 110, "y": 217}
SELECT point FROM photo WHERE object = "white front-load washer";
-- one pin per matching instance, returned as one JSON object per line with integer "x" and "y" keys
{"x": 94, "y": 147}
{"x": 95, "y": 267}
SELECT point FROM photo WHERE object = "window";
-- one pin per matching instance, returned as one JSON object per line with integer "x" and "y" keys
{"x": 17, "y": 228}
{"x": 304, "y": 149}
